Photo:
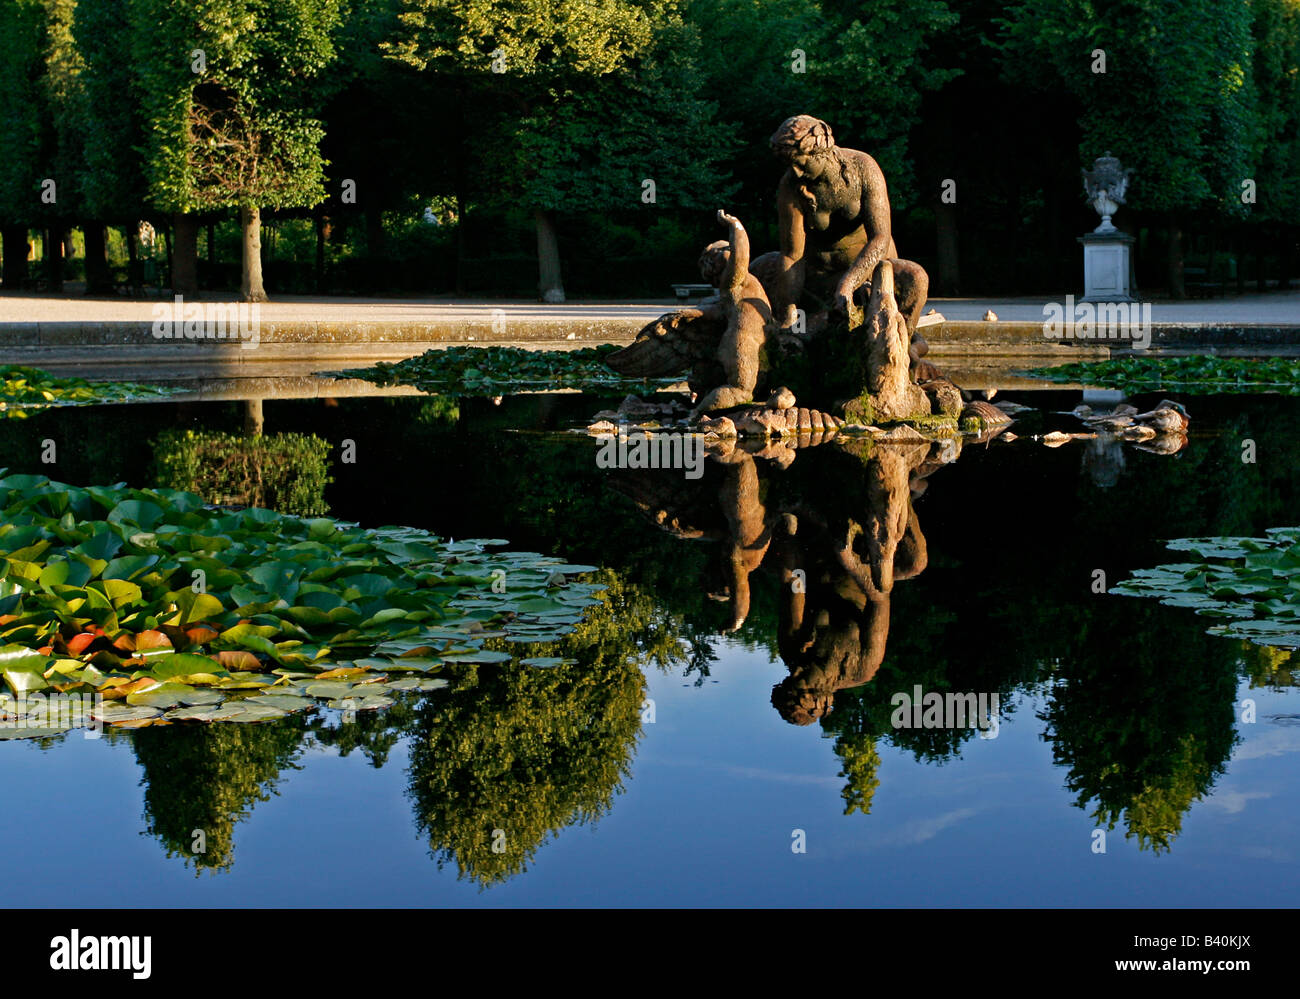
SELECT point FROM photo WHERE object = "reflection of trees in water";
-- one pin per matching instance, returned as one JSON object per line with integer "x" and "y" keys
{"x": 1145, "y": 725}
{"x": 524, "y": 751}
{"x": 1270, "y": 666}
{"x": 529, "y": 750}
{"x": 284, "y": 472}
{"x": 209, "y": 778}
{"x": 372, "y": 733}
{"x": 1140, "y": 712}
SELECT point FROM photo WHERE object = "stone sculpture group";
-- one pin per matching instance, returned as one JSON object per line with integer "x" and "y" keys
{"x": 829, "y": 319}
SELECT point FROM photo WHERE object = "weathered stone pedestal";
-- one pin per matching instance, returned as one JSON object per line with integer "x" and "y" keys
{"x": 1106, "y": 266}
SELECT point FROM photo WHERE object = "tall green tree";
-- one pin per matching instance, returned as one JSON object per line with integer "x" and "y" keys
{"x": 638, "y": 140}
{"x": 1166, "y": 85}
{"x": 378, "y": 135}
{"x": 25, "y": 133}
{"x": 862, "y": 68}
{"x": 759, "y": 62}
{"x": 230, "y": 90}
{"x": 111, "y": 183}
{"x": 881, "y": 50}
{"x": 1276, "y": 204}
{"x": 64, "y": 148}
{"x": 504, "y": 62}
{"x": 1277, "y": 83}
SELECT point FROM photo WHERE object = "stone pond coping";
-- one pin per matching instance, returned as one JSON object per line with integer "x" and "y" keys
{"x": 976, "y": 354}
{"x": 409, "y": 338}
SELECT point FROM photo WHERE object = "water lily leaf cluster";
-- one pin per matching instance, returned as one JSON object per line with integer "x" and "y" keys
{"x": 1196, "y": 373}
{"x": 1253, "y": 582}
{"x": 170, "y": 610}
{"x": 23, "y": 389}
{"x": 495, "y": 370}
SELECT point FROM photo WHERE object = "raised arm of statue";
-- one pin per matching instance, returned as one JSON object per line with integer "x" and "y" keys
{"x": 737, "y": 270}
{"x": 749, "y": 316}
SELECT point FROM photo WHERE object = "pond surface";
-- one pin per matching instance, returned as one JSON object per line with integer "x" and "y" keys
{"x": 730, "y": 732}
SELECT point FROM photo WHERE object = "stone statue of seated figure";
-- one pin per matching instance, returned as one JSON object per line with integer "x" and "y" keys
{"x": 834, "y": 221}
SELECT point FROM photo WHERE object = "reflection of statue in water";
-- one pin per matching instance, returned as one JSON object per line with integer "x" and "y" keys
{"x": 833, "y": 635}
{"x": 836, "y": 557}
{"x": 837, "y": 539}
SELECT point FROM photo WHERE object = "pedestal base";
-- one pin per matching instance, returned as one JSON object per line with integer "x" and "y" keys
{"x": 1106, "y": 267}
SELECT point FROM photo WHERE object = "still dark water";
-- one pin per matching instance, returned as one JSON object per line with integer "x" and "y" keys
{"x": 734, "y": 703}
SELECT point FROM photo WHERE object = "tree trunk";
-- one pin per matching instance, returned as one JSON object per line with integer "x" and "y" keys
{"x": 1286, "y": 257}
{"x": 461, "y": 244}
{"x": 949, "y": 268}
{"x": 1062, "y": 264}
{"x": 1236, "y": 256}
{"x": 53, "y": 252}
{"x": 376, "y": 271}
{"x": 1261, "y": 281}
{"x": 98, "y": 280}
{"x": 324, "y": 226}
{"x": 250, "y": 282}
{"x": 210, "y": 255}
{"x": 167, "y": 240}
{"x": 549, "y": 285}
{"x": 17, "y": 248}
{"x": 134, "y": 277}
{"x": 1175, "y": 272}
{"x": 460, "y": 184}
{"x": 375, "y": 234}
{"x": 185, "y": 256}
{"x": 253, "y": 419}
{"x": 1209, "y": 263}
{"x": 1133, "y": 287}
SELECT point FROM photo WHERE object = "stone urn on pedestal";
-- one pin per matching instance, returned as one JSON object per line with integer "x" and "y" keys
{"x": 1106, "y": 248}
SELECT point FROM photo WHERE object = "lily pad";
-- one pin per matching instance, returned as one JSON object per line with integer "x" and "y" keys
{"x": 284, "y": 702}
{"x": 329, "y": 688}
{"x": 371, "y": 702}
{"x": 116, "y": 711}
{"x": 95, "y": 589}
{"x": 478, "y": 657}
{"x": 1254, "y": 581}
{"x": 247, "y": 711}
